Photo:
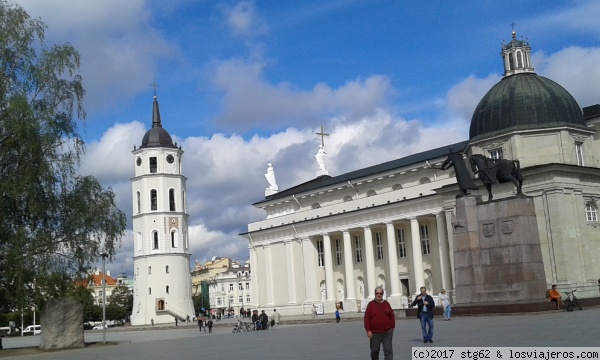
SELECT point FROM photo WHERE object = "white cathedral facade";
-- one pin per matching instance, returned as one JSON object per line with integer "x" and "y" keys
{"x": 330, "y": 241}
{"x": 162, "y": 279}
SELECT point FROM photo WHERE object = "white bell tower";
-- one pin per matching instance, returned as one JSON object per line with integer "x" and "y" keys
{"x": 161, "y": 259}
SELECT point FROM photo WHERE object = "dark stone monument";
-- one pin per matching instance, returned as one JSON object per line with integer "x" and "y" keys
{"x": 62, "y": 324}
{"x": 497, "y": 252}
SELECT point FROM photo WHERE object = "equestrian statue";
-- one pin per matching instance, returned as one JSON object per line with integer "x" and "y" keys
{"x": 494, "y": 171}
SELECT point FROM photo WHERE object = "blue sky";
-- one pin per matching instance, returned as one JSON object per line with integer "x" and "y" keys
{"x": 244, "y": 83}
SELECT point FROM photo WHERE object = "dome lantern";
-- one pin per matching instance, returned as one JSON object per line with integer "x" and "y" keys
{"x": 516, "y": 55}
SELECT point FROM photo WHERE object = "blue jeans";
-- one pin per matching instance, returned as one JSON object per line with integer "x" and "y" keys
{"x": 447, "y": 312}
{"x": 426, "y": 326}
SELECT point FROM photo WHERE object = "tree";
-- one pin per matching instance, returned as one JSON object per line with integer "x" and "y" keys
{"x": 55, "y": 223}
{"x": 91, "y": 311}
{"x": 122, "y": 297}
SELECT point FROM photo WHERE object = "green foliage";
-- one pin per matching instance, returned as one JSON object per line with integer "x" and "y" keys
{"x": 122, "y": 297}
{"x": 91, "y": 311}
{"x": 55, "y": 223}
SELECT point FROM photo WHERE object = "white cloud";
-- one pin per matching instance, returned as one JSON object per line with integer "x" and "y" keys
{"x": 574, "y": 68}
{"x": 250, "y": 102}
{"x": 119, "y": 46}
{"x": 464, "y": 96}
{"x": 243, "y": 20}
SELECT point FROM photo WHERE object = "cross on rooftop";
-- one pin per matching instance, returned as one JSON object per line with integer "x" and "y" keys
{"x": 322, "y": 134}
{"x": 154, "y": 85}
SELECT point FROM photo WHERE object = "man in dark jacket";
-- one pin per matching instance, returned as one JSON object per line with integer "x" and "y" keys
{"x": 425, "y": 314}
{"x": 380, "y": 322}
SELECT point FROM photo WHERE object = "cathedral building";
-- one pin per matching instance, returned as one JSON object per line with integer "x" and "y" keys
{"x": 330, "y": 241}
{"x": 162, "y": 280}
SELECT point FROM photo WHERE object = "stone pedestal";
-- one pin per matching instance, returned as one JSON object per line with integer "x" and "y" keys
{"x": 497, "y": 253}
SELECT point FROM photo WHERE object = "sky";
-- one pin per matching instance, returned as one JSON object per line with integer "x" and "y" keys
{"x": 246, "y": 83}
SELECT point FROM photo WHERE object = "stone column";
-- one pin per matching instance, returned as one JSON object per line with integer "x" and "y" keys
{"x": 269, "y": 275}
{"x": 394, "y": 297}
{"x": 370, "y": 261}
{"x": 329, "y": 281}
{"x": 348, "y": 268}
{"x": 417, "y": 255}
{"x": 350, "y": 301}
{"x": 291, "y": 283}
{"x": 310, "y": 276}
{"x": 254, "y": 284}
{"x": 443, "y": 249}
{"x": 449, "y": 232}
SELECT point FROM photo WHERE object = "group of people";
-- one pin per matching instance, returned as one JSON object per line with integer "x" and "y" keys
{"x": 206, "y": 324}
{"x": 263, "y": 321}
{"x": 380, "y": 320}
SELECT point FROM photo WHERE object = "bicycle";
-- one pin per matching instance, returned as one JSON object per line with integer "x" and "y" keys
{"x": 571, "y": 302}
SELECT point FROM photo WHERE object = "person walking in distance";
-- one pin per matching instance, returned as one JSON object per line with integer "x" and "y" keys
{"x": 379, "y": 323}
{"x": 425, "y": 314}
{"x": 200, "y": 324}
{"x": 209, "y": 323}
{"x": 276, "y": 318}
{"x": 445, "y": 303}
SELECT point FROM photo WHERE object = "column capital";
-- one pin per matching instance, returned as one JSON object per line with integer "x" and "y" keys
{"x": 414, "y": 218}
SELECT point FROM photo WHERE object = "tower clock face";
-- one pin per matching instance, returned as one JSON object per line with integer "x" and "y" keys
{"x": 138, "y": 161}
{"x": 170, "y": 159}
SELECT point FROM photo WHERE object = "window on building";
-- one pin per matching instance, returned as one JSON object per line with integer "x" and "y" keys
{"x": 240, "y": 298}
{"x": 167, "y": 289}
{"x": 320, "y": 253}
{"x": 155, "y": 240}
{"x": 171, "y": 199}
{"x": 358, "y": 249}
{"x": 230, "y": 287}
{"x": 139, "y": 202}
{"x": 379, "y": 245}
{"x": 167, "y": 269}
{"x": 519, "y": 59}
{"x": 425, "y": 240}
{"x": 100, "y": 293}
{"x": 153, "y": 165}
{"x": 240, "y": 286}
{"x": 173, "y": 239}
{"x": 371, "y": 193}
{"x": 396, "y": 187}
{"x": 222, "y": 287}
{"x": 149, "y": 291}
{"x": 347, "y": 198}
{"x": 338, "y": 252}
{"x": 149, "y": 270}
{"x": 401, "y": 243}
{"x": 496, "y": 154}
{"x": 219, "y": 302}
{"x": 153, "y": 200}
{"x": 591, "y": 213}
{"x": 248, "y": 298}
{"x": 579, "y": 153}
{"x": 316, "y": 206}
{"x": 247, "y": 286}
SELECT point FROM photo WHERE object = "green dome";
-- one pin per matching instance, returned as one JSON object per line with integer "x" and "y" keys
{"x": 524, "y": 101}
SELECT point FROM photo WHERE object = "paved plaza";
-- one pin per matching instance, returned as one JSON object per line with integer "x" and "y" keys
{"x": 346, "y": 340}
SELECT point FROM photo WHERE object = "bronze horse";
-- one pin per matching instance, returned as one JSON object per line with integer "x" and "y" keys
{"x": 492, "y": 171}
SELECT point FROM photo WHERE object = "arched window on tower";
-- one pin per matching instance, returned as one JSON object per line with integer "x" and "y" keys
{"x": 173, "y": 238}
{"x": 153, "y": 165}
{"x": 153, "y": 200}
{"x": 511, "y": 62}
{"x": 139, "y": 202}
{"x": 139, "y": 241}
{"x": 171, "y": 199}
{"x": 519, "y": 59}
{"x": 155, "y": 240}
{"x": 167, "y": 289}
{"x": 167, "y": 269}
{"x": 183, "y": 201}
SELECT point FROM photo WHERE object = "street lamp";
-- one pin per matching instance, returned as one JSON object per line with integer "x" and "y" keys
{"x": 239, "y": 276}
{"x": 104, "y": 256}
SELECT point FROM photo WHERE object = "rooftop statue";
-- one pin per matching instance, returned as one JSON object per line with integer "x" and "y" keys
{"x": 494, "y": 171}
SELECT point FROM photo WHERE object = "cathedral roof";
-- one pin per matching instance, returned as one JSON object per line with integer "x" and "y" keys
{"x": 523, "y": 100}
{"x": 326, "y": 180}
{"x": 156, "y": 136}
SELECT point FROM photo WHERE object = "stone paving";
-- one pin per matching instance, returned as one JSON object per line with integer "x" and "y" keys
{"x": 328, "y": 340}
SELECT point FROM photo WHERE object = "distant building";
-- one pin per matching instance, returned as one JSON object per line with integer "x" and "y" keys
{"x": 94, "y": 283}
{"x": 203, "y": 272}
{"x": 230, "y": 291}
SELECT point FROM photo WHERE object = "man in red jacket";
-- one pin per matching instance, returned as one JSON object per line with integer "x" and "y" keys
{"x": 380, "y": 322}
